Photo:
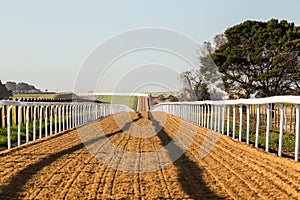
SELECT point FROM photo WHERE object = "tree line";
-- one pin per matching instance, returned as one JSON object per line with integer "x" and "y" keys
{"x": 9, "y": 88}
{"x": 21, "y": 87}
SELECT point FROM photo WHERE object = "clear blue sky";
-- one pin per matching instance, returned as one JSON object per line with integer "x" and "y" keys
{"x": 46, "y": 42}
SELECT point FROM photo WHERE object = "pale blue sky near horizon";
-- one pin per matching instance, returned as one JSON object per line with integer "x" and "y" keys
{"x": 45, "y": 43}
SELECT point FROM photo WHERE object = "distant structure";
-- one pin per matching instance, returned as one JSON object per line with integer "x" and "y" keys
{"x": 215, "y": 95}
{"x": 65, "y": 96}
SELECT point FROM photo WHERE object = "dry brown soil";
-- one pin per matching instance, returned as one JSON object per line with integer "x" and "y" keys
{"x": 60, "y": 167}
{"x": 143, "y": 104}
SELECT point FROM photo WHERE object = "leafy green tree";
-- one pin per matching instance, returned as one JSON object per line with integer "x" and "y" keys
{"x": 260, "y": 58}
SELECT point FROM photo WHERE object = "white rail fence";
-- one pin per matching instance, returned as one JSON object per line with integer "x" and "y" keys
{"x": 221, "y": 116}
{"x": 52, "y": 117}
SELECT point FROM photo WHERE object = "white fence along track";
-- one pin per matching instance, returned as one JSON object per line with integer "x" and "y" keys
{"x": 214, "y": 114}
{"x": 54, "y": 116}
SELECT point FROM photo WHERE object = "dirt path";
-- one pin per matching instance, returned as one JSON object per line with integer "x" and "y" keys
{"x": 143, "y": 104}
{"x": 61, "y": 167}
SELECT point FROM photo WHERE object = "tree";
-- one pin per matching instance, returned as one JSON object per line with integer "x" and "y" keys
{"x": 10, "y": 85}
{"x": 191, "y": 85}
{"x": 24, "y": 86}
{"x": 203, "y": 93}
{"x": 21, "y": 87}
{"x": 196, "y": 82}
{"x": 207, "y": 66}
{"x": 4, "y": 93}
{"x": 260, "y": 58}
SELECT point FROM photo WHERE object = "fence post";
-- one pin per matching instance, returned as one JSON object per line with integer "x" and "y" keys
{"x": 212, "y": 116}
{"x": 5, "y": 113}
{"x": 63, "y": 117}
{"x": 27, "y": 124}
{"x": 73, "y": 116}
{"x": 1, "y": 117}
{"x": 59, "y": 118}
{"x": 297, "y": 132}
{"x": 216, "y": 117}
{"x": 41, "y": 120}
{"x": 55, "y": 119}
{"x": 208, "y": 114}
{"x": 257, "y": 125}
{"x": 194, "y": 114}
{"x": 268, "y": 127}
{"x": 198, "y": 111}
{"x": 86, "y": 113}
{"x": 82, "y": 114}
{"x": 67, "y": 116}
{"x": 223, "y": 118}
{"x": 20, "y": 115}
{"x": 219, "y": 118}
{"x": 78, "y": 115}
{"x": 204, "y": 116}
{"x": 34, "y": 123}
{"x": 233, "y": 123}
{"x": 46, "y": 121}
{"x": 228, "y": 120}
{"x": 51, "y": 120}
{"x": 248, "y": 124}
{"x": 16, "y": 111}
{"x": 90, "y": 113}
{"x": 8, "y": 122}
{"x": 72, "y": 121}
{"x": 241, "y": 123}
{"x": 281, "y": 129}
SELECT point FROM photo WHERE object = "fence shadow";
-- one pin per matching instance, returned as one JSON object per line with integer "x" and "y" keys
{"x": 18, "y": 181}
{"x": 189, "y": 173}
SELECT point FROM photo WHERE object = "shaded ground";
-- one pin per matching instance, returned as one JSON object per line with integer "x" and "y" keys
{"x": 61, "y": 167}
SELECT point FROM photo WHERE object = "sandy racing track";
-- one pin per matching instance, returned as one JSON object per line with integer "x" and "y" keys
{"x": 142, "y": 104}
{"x": 61, "y": 167}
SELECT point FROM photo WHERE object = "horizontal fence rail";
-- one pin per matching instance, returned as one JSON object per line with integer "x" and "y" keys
{"x": 40, "y": 119}
{"x": 243, "y": 118}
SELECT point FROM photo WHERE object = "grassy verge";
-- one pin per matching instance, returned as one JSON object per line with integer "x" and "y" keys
{"x": 14, "y": 132}
{"x": 130, "y": 101}
{"x": 288, "y": 140}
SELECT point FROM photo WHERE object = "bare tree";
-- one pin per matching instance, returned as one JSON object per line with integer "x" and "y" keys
{"x": 194, "y": 86}
{"x": 196, "y": 82}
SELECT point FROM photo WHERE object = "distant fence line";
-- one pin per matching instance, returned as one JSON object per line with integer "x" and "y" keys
{"x": 231, "y": 116}
{"x": 14, "y": 119}
{"x": 55, "y": 100}
{"x": 50, "y": 117}
{"x": 113, "y": 94}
